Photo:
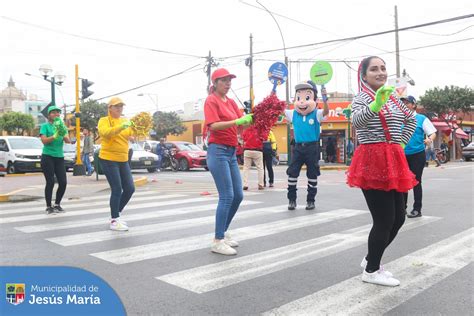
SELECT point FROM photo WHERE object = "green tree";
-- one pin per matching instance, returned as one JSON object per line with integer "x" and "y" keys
{"x": 444, "y": 102}
{"x": 16, "y": 123}
{"x": 165, "y": 123}
{"x": 91, "y": 112}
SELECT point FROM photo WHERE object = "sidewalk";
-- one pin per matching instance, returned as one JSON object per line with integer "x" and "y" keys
{"x": 30, "y": 186}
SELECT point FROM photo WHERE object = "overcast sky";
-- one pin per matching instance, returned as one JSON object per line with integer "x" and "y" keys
{"x": 223, "y": 26}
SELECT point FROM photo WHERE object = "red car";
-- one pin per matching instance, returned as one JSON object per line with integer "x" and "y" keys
{"x": 188, "y": 155}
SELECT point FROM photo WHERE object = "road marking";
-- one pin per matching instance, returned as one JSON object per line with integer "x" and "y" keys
{"x": 128, "y": 218}
{"x": 218, "y": 275}
{"x": 417, "y": 272}
{"x": 104, "y": 200}
{"x": 105, "y": 209}
{"x": 87, "y": 238}
{"x": 172, "y": 247}
{"x": 26, "y": 206}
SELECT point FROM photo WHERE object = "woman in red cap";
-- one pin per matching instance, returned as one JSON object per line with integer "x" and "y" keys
{"x": 379, "y": 166}
{"x": 222, "y": 116}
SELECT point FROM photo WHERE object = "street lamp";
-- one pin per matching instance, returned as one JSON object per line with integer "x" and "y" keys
{"x": 287, "y": 81}
{"x": 57, "y": 79}
{"x": 154, "y": 100}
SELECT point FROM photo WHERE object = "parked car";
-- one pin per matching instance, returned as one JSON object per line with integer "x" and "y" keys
{"x": 142, "y": 159}
{"x": 21, "y": 153}
{"x": 148, "y": 145}
{"x": 189, "y": 155}
{"x": 468, "y": 152}
{"x": 69, "y": 156}
{"x": 3, "y": 170}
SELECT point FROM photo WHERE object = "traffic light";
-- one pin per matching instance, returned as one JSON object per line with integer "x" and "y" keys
{"x": 85, "y": 93}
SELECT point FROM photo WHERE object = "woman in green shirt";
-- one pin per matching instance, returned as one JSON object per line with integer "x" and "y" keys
{"x": 53, "y": 135}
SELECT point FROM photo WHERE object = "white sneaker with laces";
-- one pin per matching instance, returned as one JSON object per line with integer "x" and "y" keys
{"x": 379, "y": 278}
{"x": 363, "y": 265}
{"x": 229, "y": 241}
{"x": 118, "y": 225}
{"x": 220, "y": 246}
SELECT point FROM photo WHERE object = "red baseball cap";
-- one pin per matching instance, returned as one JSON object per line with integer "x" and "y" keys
{"x": 221, "y": 73}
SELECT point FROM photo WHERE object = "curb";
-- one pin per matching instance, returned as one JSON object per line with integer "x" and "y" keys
{"x": 140, "y": 181}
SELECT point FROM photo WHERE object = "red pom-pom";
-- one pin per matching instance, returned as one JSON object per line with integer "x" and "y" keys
{"x": 266, "y": 114}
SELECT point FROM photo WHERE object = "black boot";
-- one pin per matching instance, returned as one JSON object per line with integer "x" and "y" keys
{"x": 292, "y": 206}
{"x": 310, "y": 205}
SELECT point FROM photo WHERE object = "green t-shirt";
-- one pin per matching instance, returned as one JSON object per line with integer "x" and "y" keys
{"x": 55, "y": 148}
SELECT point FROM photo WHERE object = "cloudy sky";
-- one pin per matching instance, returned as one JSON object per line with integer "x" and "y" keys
{"x": 62, "y": 35}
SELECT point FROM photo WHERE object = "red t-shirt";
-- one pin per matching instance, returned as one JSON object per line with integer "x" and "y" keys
{"x": 251, "y": 139}
{"x": 216, "y": 110}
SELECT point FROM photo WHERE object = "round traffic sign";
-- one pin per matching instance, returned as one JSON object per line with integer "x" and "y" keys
{"x": 278, "y": 73}
{"x": 321, "y": 72}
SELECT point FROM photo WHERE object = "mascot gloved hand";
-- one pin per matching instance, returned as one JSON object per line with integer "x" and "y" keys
{"x": 381, "y": 97}
{"x": 305, "y": 98}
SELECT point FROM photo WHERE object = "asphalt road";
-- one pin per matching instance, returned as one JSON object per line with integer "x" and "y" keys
{"x": 300, "y": 262}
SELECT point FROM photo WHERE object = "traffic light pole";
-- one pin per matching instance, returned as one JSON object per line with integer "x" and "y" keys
{"x": 79, "y": 169}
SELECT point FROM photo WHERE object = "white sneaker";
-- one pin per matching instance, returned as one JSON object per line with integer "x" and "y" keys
{"x": 220, "y": 246}
{"x": 229, "y": 241}
{"x": 119, "y": 219}
{"x": 363, "y": 265}
{"x": 118, "y": 226}
{"x": 380, "y": 278}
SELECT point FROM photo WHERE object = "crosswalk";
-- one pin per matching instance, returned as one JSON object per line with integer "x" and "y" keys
{"x": 167, "y": 225}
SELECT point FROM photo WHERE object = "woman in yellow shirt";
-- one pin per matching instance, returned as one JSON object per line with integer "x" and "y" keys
{"x": 115, "y": 132}
{"x": 269, "y": 147}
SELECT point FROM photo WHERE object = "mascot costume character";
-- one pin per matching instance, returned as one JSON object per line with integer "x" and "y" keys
{"x": 306, "y": 119}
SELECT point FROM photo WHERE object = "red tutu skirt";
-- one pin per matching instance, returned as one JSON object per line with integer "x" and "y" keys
{"x": 380, "y": 166}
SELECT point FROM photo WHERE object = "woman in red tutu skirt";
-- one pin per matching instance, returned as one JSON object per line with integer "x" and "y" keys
{"x": 384, "y": 126}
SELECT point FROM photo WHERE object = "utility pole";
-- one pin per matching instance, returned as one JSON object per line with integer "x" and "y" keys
{"x": 397, "y": 46}
{"x": 250, "y": 64}
{"x": 208, "y": 70}
{"x": 79, "y": 169}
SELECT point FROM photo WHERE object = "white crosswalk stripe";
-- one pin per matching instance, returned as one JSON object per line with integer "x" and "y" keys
{"x": 25, "y": 218}
{"x": 214, "y": 276}
{"x": 166, "y": 248}
{"x": 418, "y": 271}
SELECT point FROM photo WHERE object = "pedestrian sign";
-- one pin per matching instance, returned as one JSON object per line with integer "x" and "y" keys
{"x": 321, "y": 72}
{"x": 277, "y": 74}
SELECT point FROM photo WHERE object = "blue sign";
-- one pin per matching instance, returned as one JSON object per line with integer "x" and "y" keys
{"x": 56, "y": 290}
{"x": 277, "y": 74}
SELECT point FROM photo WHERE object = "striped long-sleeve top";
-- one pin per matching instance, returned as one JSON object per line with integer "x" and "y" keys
{"x": 369, "y": 127}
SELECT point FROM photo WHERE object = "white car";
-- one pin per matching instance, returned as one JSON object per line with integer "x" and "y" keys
{"x": 21, "y": 153}
{"x": 142, "y": 159}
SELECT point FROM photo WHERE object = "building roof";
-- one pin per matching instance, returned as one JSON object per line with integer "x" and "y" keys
{"x": 12, "y": 92}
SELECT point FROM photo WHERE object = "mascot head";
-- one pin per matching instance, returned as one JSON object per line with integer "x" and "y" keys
{"x": 305, "y": 97}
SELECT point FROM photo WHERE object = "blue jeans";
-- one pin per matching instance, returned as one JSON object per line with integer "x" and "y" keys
{"x": 87, "y": 162}
{"x": 222, "y": 162}
{"x": 120, "y": 179}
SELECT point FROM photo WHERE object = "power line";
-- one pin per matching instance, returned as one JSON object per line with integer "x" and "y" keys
{"x": 150, "y": 83}
{"x": 363, "y": 36}
{"x": 98, "y": 39}
{"x": 436, "y": 34}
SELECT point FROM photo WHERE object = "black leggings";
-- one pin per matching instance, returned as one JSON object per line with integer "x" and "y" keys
{"x": 416, "y": 162}
{"x": 388, "y": 214}
{"x": 53, "y": 166}
{"x": 267, "y": 164}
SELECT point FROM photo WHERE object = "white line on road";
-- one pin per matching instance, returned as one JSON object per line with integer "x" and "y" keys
{"x": 105, "y": 209}
{"x": 218, "y": 275}
{"x": 172, "y": 247}
{"x": 86, "y": 238}
{"x": 417, "y": 272}
{"x": 85, "y": 203}
{"x": 129, "y": 218}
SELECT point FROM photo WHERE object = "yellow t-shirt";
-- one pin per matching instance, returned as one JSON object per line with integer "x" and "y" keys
{"x": 114, "y": 139}
{"x": 272, "y": 139}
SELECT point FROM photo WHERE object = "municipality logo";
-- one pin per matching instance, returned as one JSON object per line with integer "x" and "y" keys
{"x": 15, "y": 293}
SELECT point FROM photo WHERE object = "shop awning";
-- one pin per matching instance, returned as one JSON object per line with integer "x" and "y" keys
{"x": 443, "y": 126}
